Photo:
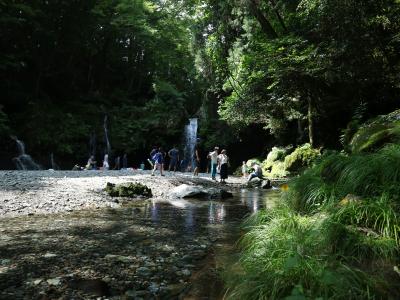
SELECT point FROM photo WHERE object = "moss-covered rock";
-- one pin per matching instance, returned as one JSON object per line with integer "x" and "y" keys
{"x": 301, "y": 157}
{"x": 129, "y": 190}
{"x": 251, "y": 161}
{"x": 376, "y": 133}
{"x": 276, "y": 154}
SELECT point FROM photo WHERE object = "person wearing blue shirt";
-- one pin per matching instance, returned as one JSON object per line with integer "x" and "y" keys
{"x": 158, "y": 159}
{"x": 174, "y": 158}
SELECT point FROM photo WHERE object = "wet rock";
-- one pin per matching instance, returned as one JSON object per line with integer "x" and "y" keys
{"x": 95, "y": 287}
{"x": 255, "y": 182}
{"x": 188, "y": 191}
{"x": 5, "y": 261}
{"x": 266, "y": 184}
{"x": 154, "y": 288}
{"x": 143, "y": 271}
{"x": 187, "y": 258}
{"x": 54, "y": 281}
{"x": 194, "y": 191}
{"x": 49, "y": 255}
{"x": 176, "y": 289}
{"x": 130, "y": 295}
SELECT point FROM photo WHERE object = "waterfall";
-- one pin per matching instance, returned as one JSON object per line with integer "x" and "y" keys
{"x": 108, "y": 145}
{"x": 190, "y": 140}
{"x": 24, "y": 161}
{"x": 92, "y": 144}
{"x": 53, "y": 164}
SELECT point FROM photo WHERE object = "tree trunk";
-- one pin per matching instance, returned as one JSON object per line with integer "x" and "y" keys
{"x": 278, "y": 15}
{"x": 300, "y": 132}
{"x": 310, "y": 117}
{"x": 264, "y": 22}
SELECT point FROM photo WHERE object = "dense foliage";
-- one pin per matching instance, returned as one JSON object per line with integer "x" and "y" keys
{"x": 301, "y": 68}
{"x": 335, "y": 235}
{"x": 66, "y": 65}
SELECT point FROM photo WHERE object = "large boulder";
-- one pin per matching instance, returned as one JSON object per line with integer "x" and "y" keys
{"x": 302, "y": 157}
{"x": 199, "y": 192}
{"x": 377, "y": 132}
{"x": 254, "y": 182}
{"x": 128, "y": 190}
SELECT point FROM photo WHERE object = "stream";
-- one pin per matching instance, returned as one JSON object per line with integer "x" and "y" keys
{"x": 147, "y": 250}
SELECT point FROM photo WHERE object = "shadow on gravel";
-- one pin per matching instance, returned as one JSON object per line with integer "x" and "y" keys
{"x": 99, "y": 253}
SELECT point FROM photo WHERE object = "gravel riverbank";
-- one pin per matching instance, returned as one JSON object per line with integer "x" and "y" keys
{"x": 147, "y": 250}
{"x": 43, "y": 192}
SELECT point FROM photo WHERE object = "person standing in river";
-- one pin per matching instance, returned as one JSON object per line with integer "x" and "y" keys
{"x": 158, "y": 159}
{"x": 196, "y": 161}
{"x": 125, "y": 161}
{"x": 174, "y": 158}
{"x": 223, "y": 161}
{"x": 106, "y": 165}
{"x": 214, "y": 162}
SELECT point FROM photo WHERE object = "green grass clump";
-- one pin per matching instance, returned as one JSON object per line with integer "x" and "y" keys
{"x": 283, "y": 251}
{"x": 335, "y": 235}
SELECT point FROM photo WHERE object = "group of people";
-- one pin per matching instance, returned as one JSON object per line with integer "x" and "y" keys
{"x": 219, "y": 162}
{"x": 157, "y": 159}
{"x": 92, "y": 163}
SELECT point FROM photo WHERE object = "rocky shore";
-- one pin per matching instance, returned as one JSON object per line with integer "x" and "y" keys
{"x": 101, "y": 249}
{"x": 43, "y": 192}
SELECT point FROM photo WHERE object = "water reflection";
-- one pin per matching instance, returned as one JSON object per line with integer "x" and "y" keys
{"x": 216, "y": 213}
{"x": 258, "y": 199}
{"x": 197, "y": 214}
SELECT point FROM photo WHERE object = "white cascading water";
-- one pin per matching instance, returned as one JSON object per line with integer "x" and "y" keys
{"x": 190, "y": 142}
{"x": 24, "y": 161}
{"x": 108, "y": 145}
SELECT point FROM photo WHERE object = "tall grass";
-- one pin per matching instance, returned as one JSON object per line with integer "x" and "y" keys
{"x": 336, "y": 234}
{"x": 284, "y": 250}
{"x": 337, "y": 175}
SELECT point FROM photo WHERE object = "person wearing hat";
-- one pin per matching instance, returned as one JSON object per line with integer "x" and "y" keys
{"x": 214, "y": 162}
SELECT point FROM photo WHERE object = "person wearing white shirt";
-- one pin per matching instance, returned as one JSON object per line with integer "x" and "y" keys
{"x": 256, "y": 173}
{"x": 214, "y": 162}
{"x": 223, "y": 160}
{"x": 106, "y": 165}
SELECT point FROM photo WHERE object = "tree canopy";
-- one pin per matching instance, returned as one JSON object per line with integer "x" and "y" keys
{"x": 299, "y": 69}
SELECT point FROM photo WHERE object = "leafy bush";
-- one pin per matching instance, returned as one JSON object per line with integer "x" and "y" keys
{"x": 278, "y": 170}
{"x": 276, "y": 154}
{"x": 253, "y": 160}
{"x": 301, "y": 157}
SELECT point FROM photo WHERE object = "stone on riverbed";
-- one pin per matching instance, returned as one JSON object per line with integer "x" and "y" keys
{"x": 195, "y": 191}
{"x": 129, "y": 190}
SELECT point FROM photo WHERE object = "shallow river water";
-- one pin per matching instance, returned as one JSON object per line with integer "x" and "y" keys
{"x": 149, "y": 250}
